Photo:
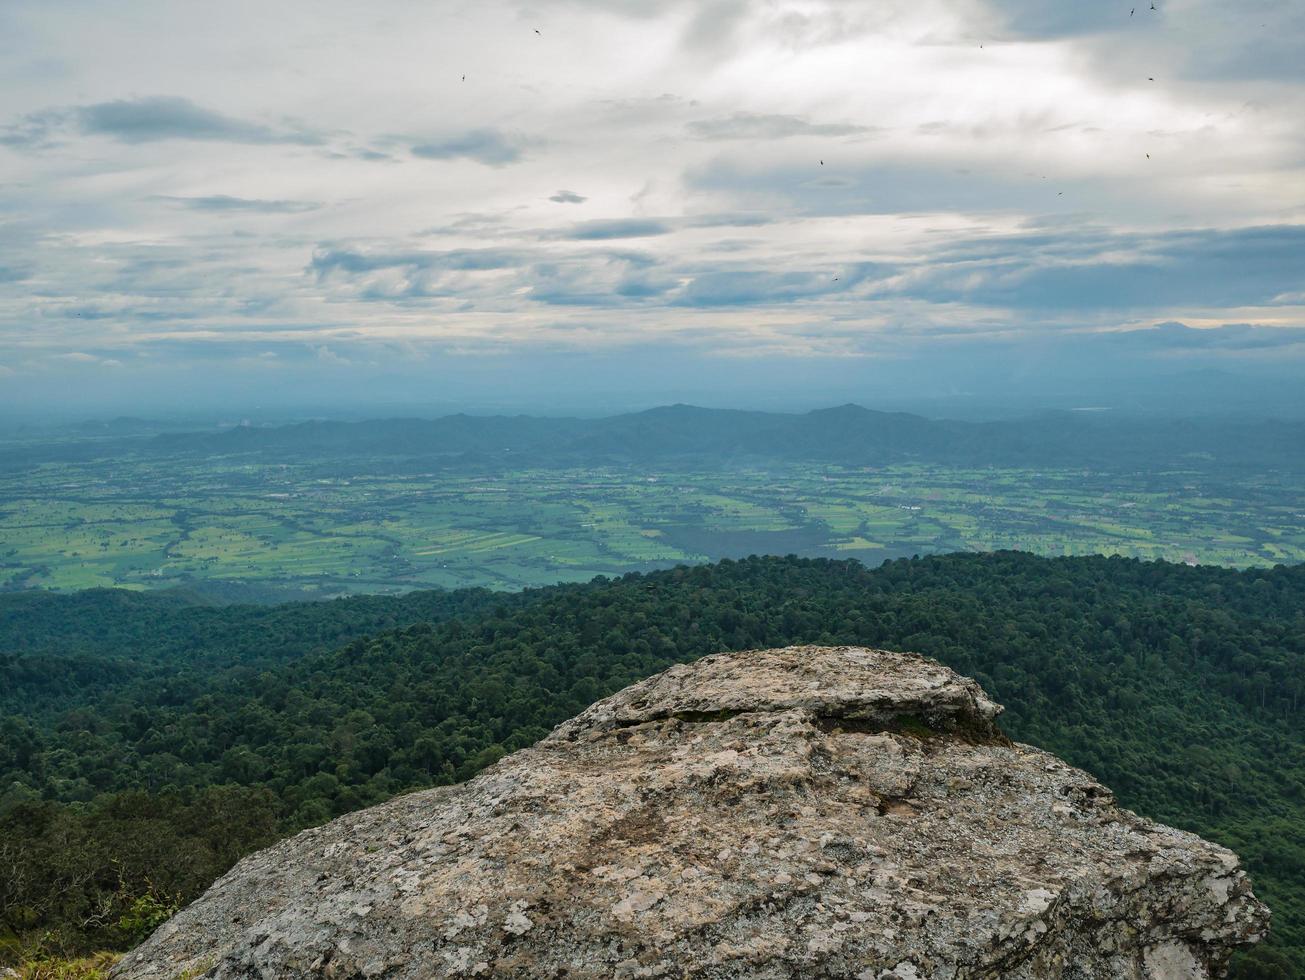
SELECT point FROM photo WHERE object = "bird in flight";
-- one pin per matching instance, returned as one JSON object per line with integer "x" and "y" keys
{"x": 1132, "y": 12}
{"x": 464, "y": 78}
{"x": 822, "y": 163}
{"x": 537, "y": 29}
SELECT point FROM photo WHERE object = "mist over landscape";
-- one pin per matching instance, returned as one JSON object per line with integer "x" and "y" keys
{"x": 383, "y": 385}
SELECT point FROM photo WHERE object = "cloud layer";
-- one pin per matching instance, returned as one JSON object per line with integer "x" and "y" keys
{"x": 816, "y": 180}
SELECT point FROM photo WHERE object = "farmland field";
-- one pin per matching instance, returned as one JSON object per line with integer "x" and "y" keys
{"x": 154, "y": 523}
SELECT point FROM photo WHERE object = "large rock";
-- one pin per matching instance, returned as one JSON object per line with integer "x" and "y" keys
{"x": 808, "y": 812}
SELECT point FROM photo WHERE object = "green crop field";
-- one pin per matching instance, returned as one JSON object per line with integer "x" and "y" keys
{"x": 147, "y": 524}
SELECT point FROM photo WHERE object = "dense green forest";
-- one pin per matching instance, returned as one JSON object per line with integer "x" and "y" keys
{"x": 146, "y": 741}
{"x": 107, "y": 647}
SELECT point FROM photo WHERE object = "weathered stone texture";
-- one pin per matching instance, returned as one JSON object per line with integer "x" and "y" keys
{"x": 807, "y": 812}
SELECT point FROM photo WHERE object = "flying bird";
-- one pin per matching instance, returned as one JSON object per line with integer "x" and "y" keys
{"x": 464, "y": 78}
{"x": 1132, "y": 12}
{"x": 537, "y": 29}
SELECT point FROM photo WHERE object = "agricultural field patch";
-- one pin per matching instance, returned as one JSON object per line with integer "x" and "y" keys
{"x": 77, "y": 525}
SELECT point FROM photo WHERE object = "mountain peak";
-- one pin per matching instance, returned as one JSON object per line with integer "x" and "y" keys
{"x": 847, "y": 408}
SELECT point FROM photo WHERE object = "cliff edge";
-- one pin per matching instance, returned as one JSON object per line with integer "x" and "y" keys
{"x": 805, "y": 812}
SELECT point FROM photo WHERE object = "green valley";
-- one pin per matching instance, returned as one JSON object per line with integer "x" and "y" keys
{"x": 145, "y": 524}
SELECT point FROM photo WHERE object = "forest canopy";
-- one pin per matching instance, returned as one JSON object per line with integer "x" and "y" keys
{"x": 148, "y": 741}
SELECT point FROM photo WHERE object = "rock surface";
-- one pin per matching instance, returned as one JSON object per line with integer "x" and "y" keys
{"x": 807, "y": 812}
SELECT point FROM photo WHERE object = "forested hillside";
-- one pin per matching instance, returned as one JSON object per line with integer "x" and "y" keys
{"x": 73, "y": 651}
{"x": 188, "y": 741}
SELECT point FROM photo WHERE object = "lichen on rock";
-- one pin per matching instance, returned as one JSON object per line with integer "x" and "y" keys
{"x": 807, "y": 812}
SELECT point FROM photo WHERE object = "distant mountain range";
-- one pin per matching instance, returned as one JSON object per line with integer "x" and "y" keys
{"x": 847, "y": 435}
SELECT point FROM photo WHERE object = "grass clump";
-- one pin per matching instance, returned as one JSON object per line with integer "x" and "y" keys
{"x": 93, "y": 967}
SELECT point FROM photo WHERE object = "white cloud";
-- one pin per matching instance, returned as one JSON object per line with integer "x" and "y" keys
{"x": 321, "y": 173}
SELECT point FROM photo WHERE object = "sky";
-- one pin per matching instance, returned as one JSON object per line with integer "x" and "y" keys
{"x": 574, "y": 202}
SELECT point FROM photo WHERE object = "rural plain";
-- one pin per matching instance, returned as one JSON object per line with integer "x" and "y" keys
{"x": 152, "y": 523}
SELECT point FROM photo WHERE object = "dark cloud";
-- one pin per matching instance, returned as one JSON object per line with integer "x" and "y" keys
{"x": 368, "y": 153}
{"x": 738, "y": 288}
{"x": 397, "y": 276}
{"x": 1251, "y": 40}
{"x": 633, "y": 259}
{"x": 568, "y": 197}
{"x": 1067, "y": 18}
{"x": 643, "y": 287}
{"x": 224, "y": 203}
{"x": 602, "y": 278}
{"x": 1213, "y": 268}
{"x": 1271, "y": 56}
{"x": 328, "y": 260}
{"x": 169, "y": 118}
{"x": 1080, "y": 243}
{"x": 492, "y": 147}
{"x": 35, "y": 129}
{"x": 616, "y": 278}
{"x": 754, "y": 126}
{"x": 558, "y": 288}
{"x": 1172, "y": 335}
{"x": 146, "y": 120}
{"x": 589, "y": 231}
{"x": 1258, "y": 39}
{"x": 736, "y": 219}
{"x": 746, "y": 287}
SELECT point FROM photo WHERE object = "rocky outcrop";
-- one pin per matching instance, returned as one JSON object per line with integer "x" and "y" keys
{"x": 807, "y": 812}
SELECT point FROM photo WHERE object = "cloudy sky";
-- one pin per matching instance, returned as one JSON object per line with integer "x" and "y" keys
{"x": 253, "y": 200}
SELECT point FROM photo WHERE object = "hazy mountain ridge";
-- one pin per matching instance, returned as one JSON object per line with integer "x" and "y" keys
{"x": 848, "y": 434}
